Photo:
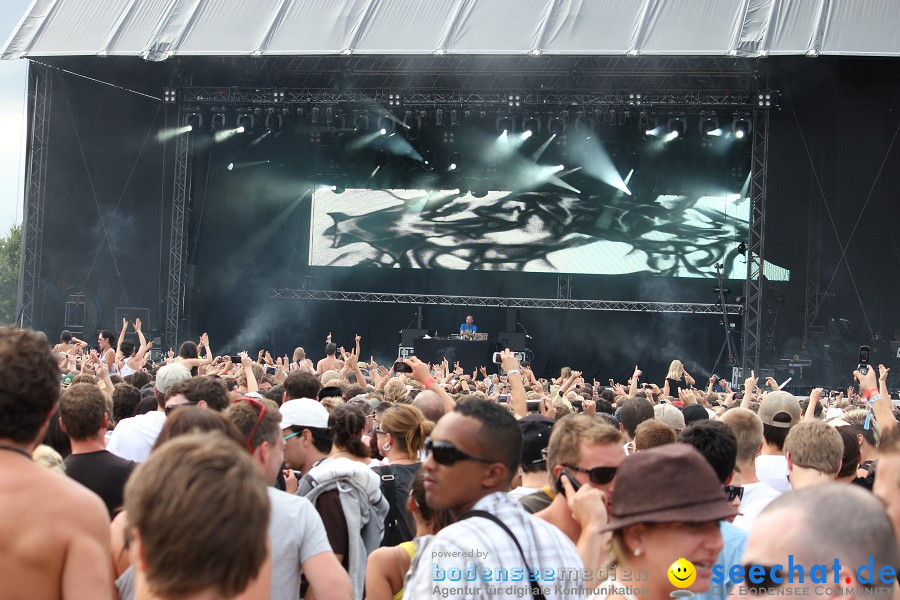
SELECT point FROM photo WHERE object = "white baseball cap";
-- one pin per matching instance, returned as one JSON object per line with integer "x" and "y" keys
{"x": 303, "y": 413}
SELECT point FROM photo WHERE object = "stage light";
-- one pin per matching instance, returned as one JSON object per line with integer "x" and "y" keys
{"x": 315, "y": 115}
{"x": 505, "y": 124}
{"x": 361, "y": 123}
{"x": 764, "y": 99}
{"x": 634, "y": 99}
{"x": 274, "y": 120}
{"x": 278, "y": 96}
{"x": 531, "y": 125}
{"x": 218, "y": 121}
{"x": 452, "y": 167}
{"x": 245, "y": 122}
{"x": 677, "y": 127}
{"x": 741, "y": 126}
{"x": 514, "y": 100}
{"x": 709, "y": 125}
{"x": 329, "y": 117}
{"x": 556, "y": 126}
{"x": 454, "y": 118}
{"x": 230, "y": 166}
{"x": 383, "y": 131}
{"x": 240, "y": 130}
{"x": 194, "y": 120}
{"x": 526, "y": 134}
{"x": 650, "y": 127}
{"x": 170, "y": 95}
{"x": 559, "y": 168}
{"x": 439, "y": 117}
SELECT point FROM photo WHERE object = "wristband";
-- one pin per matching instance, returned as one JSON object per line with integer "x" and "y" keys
{"x": 514, "y": 372}
{"x": 429, "y": 382}
{"x": 874, "y": 399}
{"x": 866, "y": 394}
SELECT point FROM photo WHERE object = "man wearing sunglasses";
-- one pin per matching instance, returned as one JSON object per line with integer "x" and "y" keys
{"x": 473, "y": 454}
{"x": 589, "y": 450}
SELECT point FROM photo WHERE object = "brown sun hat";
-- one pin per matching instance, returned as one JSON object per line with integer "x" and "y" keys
{"x": 668, "y": 484}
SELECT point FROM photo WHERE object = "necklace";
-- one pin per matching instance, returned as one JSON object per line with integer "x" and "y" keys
{"x": 15, "y": 449}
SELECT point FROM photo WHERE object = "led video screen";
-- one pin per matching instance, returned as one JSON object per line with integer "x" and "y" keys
{"x": 537, "y": 232}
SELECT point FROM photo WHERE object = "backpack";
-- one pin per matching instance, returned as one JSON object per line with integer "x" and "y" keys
{"x": 396, "y": 528}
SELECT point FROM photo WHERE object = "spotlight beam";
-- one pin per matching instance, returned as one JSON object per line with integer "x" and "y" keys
{"x": 536, "y": 155}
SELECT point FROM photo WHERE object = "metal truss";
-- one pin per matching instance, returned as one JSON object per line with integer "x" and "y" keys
{"x": 526, "y": 100}
{"x": 28, "y": 298}
{"x": 636, "y": 74}
{"x": 494, "y": 302}
{"x": 753, "y": 308}
{"x": 181, "y": 197}
{"x": 564, "y": 287}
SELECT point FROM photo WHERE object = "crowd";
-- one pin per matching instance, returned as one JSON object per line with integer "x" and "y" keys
{"x": 205, "y": 476}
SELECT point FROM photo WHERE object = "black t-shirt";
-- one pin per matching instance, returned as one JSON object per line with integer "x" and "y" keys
{"x": 103, "y": 473}
{"x": 675, "y": 385}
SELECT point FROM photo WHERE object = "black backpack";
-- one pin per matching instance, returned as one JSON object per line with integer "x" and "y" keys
{"x": 396, "y": 528}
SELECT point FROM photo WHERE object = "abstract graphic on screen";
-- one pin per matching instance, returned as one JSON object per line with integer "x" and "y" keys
{"x": 539, "y": 232}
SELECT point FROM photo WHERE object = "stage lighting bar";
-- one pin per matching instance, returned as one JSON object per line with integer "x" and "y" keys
{"x": 634, "y": 99}
{"x": 170, "y": 95}
{"x": 395, "y": 99}
{"x": 514, "y": 100}
{"x": 278, "y": 96}
{"x": 709, "y": 125}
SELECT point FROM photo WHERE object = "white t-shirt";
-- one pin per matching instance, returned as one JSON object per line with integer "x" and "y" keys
{"x": 521, "y": 491}
{"x": 133, "y": 438}
{"x": 772, "y": 470}
{"x": 756, "y": 497}
{"x": 297, "y": 534}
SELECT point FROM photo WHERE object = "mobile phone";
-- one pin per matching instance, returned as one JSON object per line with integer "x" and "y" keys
{"x": 503, "y": 398}
{"x": 533, "y": 405}
{"x": 402, "y": 367}
{"x": 235, "y": 359}
{"x": 271, "y": 369}
{"x": 863, "y": 366}
{"x": 67, "y": 379}
{"x": 496, "y": 358}
{"x": 559, "y": 486}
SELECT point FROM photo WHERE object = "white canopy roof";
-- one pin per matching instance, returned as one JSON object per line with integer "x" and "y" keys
{"x": 158, "y": 29}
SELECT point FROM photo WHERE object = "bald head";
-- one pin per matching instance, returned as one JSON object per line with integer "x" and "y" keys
{"x": 821, "y": 524}
{"x": 430, "y": 404}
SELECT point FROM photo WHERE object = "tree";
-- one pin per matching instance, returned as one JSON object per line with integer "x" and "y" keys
{"x": 10, "y": 251}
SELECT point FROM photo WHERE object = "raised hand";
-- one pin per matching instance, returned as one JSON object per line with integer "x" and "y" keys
{"x": 204, "y": 340}
{"x": 124, "y": 324}
{"x": 137, "y": 324}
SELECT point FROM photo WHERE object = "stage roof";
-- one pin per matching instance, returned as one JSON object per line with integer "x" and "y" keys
{"x": 159, "y": 29}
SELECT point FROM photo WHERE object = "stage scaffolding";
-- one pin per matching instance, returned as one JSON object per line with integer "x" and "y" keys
{"x": 498, "y": 302}
{"x": 28, "y": 300}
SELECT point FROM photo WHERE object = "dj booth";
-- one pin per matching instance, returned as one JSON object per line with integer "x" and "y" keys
{"x": 470, "y": 354}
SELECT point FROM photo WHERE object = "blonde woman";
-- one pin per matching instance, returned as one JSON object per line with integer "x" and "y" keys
{"x": 300, "y": 362}
{"x": 677, "y": 379}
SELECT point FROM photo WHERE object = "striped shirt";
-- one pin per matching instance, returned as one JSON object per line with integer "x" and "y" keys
{"x": 474, "y": 558}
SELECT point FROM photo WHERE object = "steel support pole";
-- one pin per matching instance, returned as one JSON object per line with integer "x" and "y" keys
{"x": 28, "y": 300}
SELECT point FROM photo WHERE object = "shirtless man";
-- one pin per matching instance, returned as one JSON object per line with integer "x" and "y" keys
{"x": 54, "y": 534}
{"x": 330, "y": 362}
{"x": 69, "y": 344}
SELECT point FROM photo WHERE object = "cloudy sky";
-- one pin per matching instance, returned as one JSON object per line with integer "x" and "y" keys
{"x": 12, "y": 121}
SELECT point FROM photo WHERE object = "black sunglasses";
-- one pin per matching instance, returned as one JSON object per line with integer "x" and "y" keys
{"x": 733, "y": 491}
{"x": 445, "y": 453}
{"x": 598, "y": 475}
{"x": 767, "y": 585}
{"x": 172, "y": 407}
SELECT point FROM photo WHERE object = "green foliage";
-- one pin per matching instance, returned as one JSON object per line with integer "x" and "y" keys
{"x": 10, "y": 250}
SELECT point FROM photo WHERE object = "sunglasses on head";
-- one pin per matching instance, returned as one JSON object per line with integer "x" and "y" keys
{"x": 597, "y": 475}
{"x": 262, "y": 413}
{"x": 445, "y": 453}
{"x": 733, "y": 491}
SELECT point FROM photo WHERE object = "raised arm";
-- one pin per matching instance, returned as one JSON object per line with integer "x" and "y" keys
{"x": 247, "y": 364}
{"x": 142, "y": 350}
{"x": 121, "y": 336}
{"x": 815, "y": 396}
{"x": 421, "y": 372}
{"x": 749, "y": 389}
{"x": 518, "y": 398}
{"x": 688, "y": 379}
{"x": 633, "y": 382}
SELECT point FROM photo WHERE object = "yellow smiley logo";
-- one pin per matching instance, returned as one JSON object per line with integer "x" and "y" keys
{"x": 682, "y": 573}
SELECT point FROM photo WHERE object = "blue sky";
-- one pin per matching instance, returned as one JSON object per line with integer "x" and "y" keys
{"x": 12, "y": 121}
